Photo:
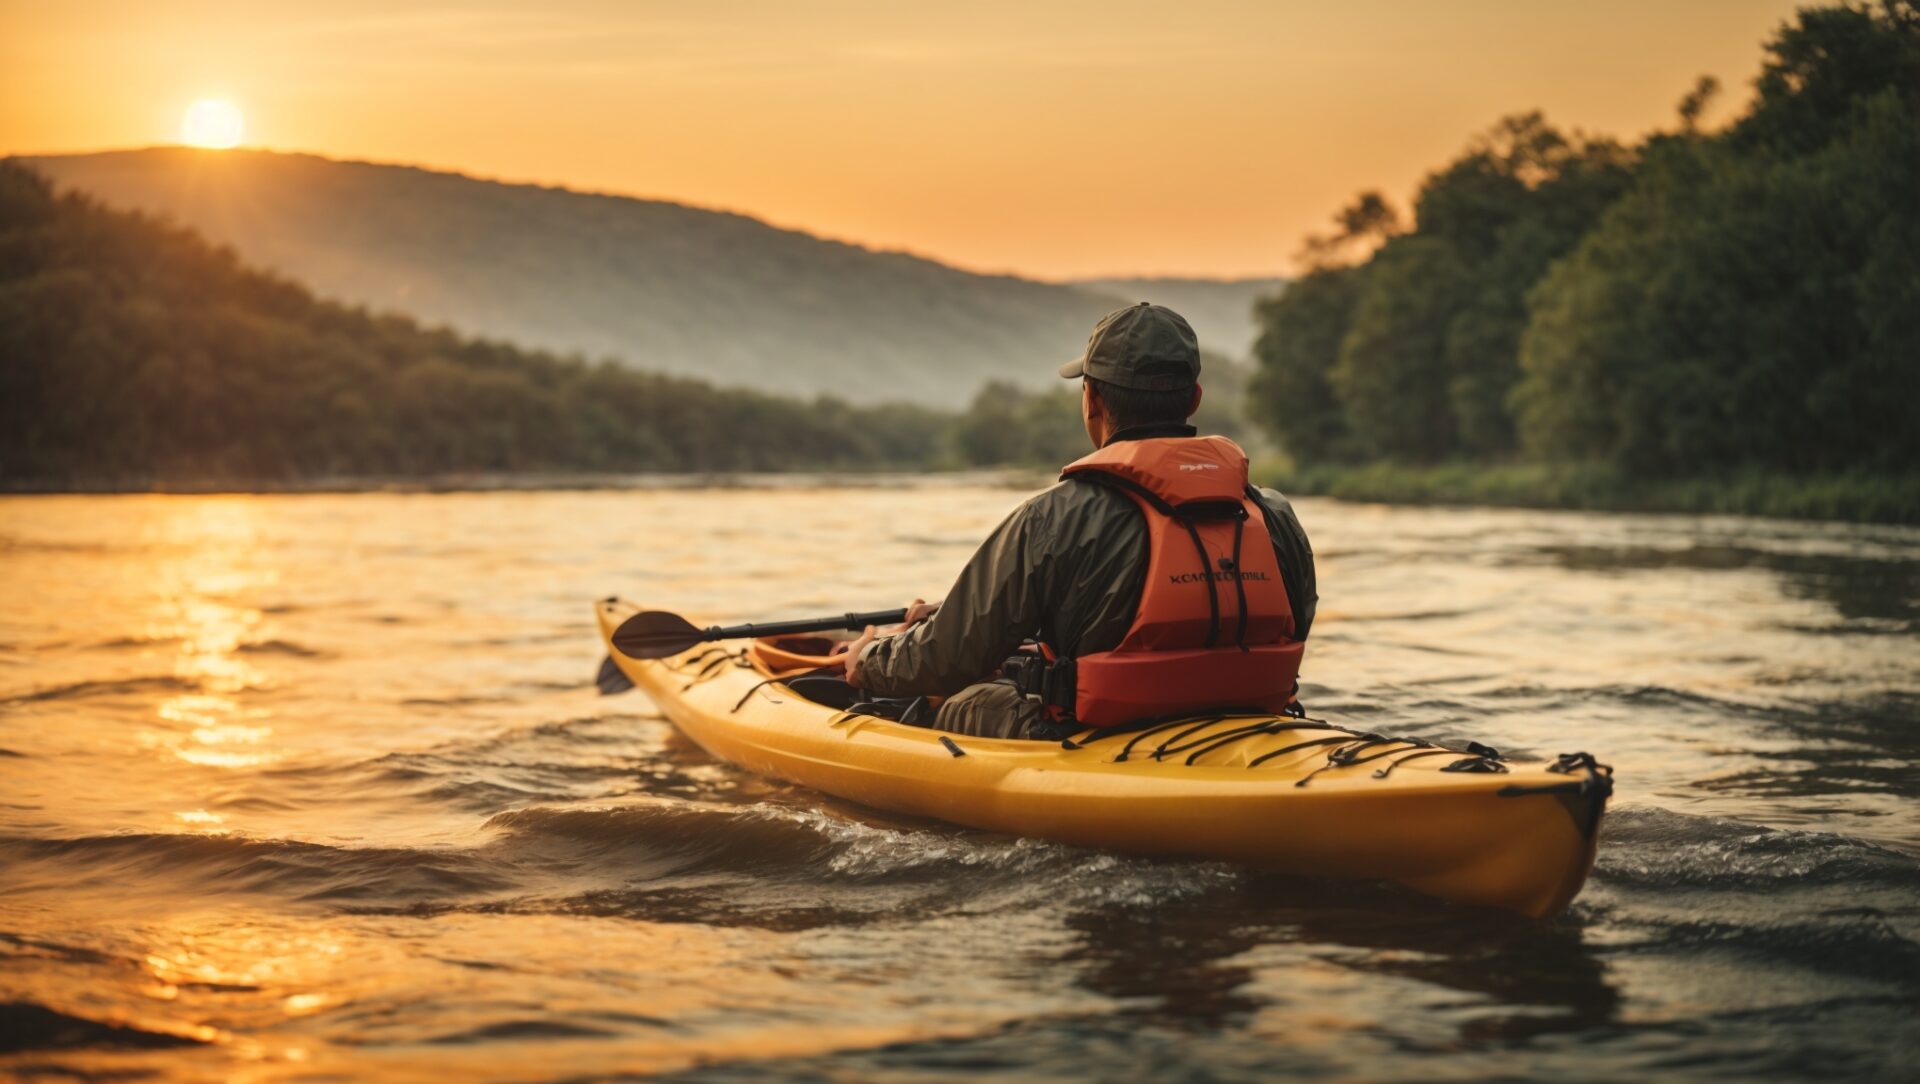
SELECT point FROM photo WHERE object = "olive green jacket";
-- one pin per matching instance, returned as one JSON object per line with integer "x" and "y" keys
{"x": 1066, "y": 568}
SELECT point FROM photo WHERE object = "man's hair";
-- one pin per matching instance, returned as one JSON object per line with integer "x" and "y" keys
{"x": 1128, "y": 407}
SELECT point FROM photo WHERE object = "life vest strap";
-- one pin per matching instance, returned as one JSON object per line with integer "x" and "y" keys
{"x": 1048, "y": 681}
{"x": 1190, "y": 515}
{"x": 1239, "y": 584}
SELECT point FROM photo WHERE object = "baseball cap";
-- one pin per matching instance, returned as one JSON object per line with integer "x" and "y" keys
{"x": 1144, "y": 346}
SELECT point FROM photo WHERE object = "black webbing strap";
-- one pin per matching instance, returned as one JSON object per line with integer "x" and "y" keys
{"x": 1296, "y": 747}
{"x": 1053, "y": 683}
{"x": 1349, "y": 754}
{"x": 713, "y": 665}
{"x": 754, "y": 688}
{"x": 1127, "y": 749}
{"x": 1415, "y": 755}
{"x": 1228, "y": 738}
{"x": 1206, "y": 573}
{"x": 1199, "y": 724}
{"x": 1240, "y": 581}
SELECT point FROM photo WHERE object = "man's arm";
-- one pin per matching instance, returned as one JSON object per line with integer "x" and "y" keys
{"x": 1296, "y": 559}
{"x": 993, "y": 606}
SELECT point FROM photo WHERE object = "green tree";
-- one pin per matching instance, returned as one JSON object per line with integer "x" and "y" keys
{"x": 1749, "y": 302}
{"x": 1291, "y": 394}
{"x": 1391, "y": 377}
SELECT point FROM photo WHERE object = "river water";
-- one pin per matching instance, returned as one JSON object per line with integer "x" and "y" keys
{"x": 316, "y": 786}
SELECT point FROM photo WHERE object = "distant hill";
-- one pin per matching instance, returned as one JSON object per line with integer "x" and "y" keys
{"x": 1220, "y": 310}
{"x": 658, "y": 286}
{"x": 138, "y": 355}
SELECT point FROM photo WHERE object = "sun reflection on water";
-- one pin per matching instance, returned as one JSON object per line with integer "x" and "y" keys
{"x": 206, "y": 592}
{"x": 217, "y": 740}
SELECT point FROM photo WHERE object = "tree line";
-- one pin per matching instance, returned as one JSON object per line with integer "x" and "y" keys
{"x": 1702, "y": 302}
{"x": 139, "y": 354}
{"x": 136, "y": 353}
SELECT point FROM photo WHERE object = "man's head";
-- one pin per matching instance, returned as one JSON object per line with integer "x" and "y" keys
{"x": 1141, "y": 367}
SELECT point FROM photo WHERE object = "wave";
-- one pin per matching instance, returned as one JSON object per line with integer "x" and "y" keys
{"x": 780, "y": 846}
{"x": 27, "y": 1025}
{"x": 234, "y": 864}
{"x": 121, "y": 643}
{"x": 656, "y": 854}
{"x": 116, "y": 687}
{"x": 1860, "y": 945}
{"x": 1660, "y": 849}
{"x": 592, "y": 757}
{"x": 281, "y": 647}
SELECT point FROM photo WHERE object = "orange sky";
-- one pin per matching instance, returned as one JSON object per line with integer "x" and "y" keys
{"x": 1046, "y": 138}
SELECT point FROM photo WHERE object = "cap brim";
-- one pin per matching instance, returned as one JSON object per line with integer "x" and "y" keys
{"x": 1075, "y": 369}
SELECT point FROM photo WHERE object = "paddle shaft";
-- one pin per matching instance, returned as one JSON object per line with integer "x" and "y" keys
{"x": 851, "y": 622}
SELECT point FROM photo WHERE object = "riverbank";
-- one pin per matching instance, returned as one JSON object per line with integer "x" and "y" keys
{"x": 1892, "y": 499}
{"x": 491, "y": 482}
{"x": 1856, "y": 498}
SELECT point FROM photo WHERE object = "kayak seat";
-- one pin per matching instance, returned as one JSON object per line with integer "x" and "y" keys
{"x": 795, "y": 659}
{"x": 826, "y": 689}
{"x": 786, "y": 655}
{"x": 833, "y": 691}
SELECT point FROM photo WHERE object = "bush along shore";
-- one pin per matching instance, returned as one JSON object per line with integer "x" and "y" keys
{"x": 1857, "y": 498}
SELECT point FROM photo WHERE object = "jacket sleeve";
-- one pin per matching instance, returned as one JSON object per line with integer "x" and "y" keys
{"x": 1296, "y": 559}
{"x": 995, "y": 604}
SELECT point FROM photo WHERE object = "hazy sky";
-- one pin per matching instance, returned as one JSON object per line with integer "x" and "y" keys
{"x": 1049, "y": 139}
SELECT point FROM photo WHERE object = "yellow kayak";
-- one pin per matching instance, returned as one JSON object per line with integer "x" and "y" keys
{"x": 1294, "y": 795}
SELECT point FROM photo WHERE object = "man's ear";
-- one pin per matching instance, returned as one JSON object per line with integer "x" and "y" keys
{"x": 1194, "y": 403}
{"x": 1093, "y": 413}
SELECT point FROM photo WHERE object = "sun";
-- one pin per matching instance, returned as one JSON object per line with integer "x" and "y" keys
{"x": 212, "y": 122}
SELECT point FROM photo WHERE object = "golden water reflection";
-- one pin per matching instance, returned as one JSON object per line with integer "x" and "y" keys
{"x": 218, "y": 738}
{"x": 287, "y": 856}
{"x": 208, "y": 582}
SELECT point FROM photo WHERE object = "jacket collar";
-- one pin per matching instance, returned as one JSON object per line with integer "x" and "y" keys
{"x": 1151, "y": 432}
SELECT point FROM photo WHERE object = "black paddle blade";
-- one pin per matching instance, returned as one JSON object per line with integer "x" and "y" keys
{"x": 655, "y": 634}
{"x": 612, "y": 680}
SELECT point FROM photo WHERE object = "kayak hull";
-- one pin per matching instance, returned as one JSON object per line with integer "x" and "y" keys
{"x": 1520, "y": 839}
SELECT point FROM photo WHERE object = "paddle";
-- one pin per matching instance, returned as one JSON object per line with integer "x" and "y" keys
{"x": 611, "y": 680}
{"x": 655, "y": 634}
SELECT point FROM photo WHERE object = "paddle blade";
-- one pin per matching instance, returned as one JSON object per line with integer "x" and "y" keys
{"x": 612, "y": 680}
{"x": 654, "y": 634}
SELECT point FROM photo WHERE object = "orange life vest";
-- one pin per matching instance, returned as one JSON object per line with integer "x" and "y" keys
{"x": 1214, "y": 630}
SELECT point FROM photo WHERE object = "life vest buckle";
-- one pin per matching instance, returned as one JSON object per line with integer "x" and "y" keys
{"x": 1048, "y": 683}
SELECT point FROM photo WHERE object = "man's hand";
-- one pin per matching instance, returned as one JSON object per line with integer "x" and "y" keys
{"x": 917, "y": 611}
{"x": 852, "y": 656}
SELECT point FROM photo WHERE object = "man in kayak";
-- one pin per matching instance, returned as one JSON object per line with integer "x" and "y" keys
{"x": 1154, "y": 630}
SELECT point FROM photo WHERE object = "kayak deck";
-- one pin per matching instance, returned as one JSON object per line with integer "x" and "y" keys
{"x": 1295, "y": 795}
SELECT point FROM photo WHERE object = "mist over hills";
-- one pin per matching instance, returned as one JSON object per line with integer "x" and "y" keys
{"x": 1220, "y": 310}
{"x": 658, "y": 286}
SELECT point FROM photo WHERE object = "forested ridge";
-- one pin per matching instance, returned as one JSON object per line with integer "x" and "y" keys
{"x": 139, "y": 354}
{"x": 1702, "y": 304}
{"x": 135, "y": 353}
{"x": 654, "y": 285}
